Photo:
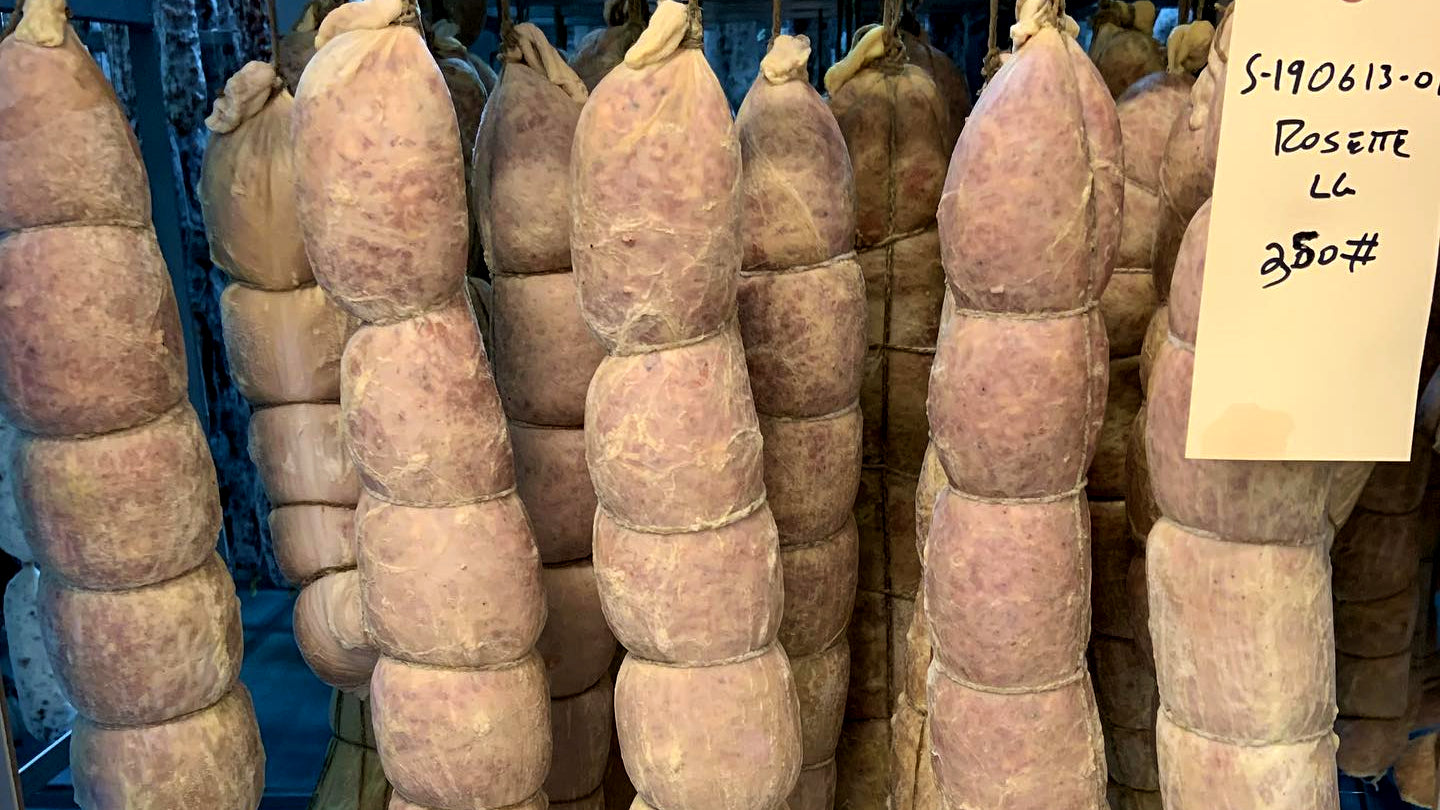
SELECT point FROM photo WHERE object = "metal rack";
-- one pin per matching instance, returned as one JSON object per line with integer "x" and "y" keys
{"x": 17, "y": 780}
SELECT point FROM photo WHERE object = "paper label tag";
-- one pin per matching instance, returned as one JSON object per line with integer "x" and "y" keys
{"x": 1323, "y": 235}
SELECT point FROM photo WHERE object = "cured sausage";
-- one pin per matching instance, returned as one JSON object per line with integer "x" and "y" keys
{"x": 686, "y": 546}
{"x": 450, "y": 580}
{"x": 802, "y": 317}
{"x": 1239, "y": 601}
{"x": 897, "y": 130}
{"x": 116, "y": 482}
{"x": 1029, "y": 239}
{"x": 283, "y": 339}
{"x": 1120, "y": 660}
{"x": 544, "y": 359}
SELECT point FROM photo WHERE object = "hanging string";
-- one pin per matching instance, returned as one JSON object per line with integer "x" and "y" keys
{"x": 775, "y": 21}
{"x": 272, "y": 19}
{"x": 994, "y": 40}
{"x": 892, "y": 17}
{"x": 507, "y": 26}
{"x": 694, "y": 36}
{"x": 894, "y": 48}
{"x": 636, "y": 12}
{"x": 992, "y": 53}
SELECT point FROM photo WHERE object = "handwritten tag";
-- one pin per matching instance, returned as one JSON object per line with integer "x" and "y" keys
{"x": 1324, "y": 233}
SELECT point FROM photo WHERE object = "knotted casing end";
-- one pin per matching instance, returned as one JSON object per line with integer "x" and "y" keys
{"x": 788, "y": 59}
{"x": 43, "y": 23}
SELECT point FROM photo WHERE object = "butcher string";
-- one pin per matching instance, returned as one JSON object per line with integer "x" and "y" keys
{"x": 694, "y": 30}
{"x": 499, "y": 666}
{"x": 273, "y": 21}
{"x": 364, "y": 758}
{"x": 828, "y": 540}
{"x": 1323, "y": 539}
{"x": 460, "y": 298}
{"x": 1364, "y": 598}
{"x": 891, "y": 18}
{"x": 994, "y": 26}
{"x": 1093, "y": 290}
{"x": 507, "y": 26}
{"x": 775, "y": 20}
{"x": 732, "y": 517}
{"x": 649, "y": 348}
{"x": 1076, "y": 675}
{"x": 367, "y": 725}
{"x": 363, "y": 780}
{"x": 102, "y": 223}
{"x": 824, "y": 417}
{"x": 1003, "y": 501}
{"x": 450, "y": 504}
{"x": 498, "y": 272}
{"x": 992, "y": 54}
{"x": 329, "y": 569}
{"x": 1090, "y": 404}
{"x": 895, "y": 237}
{"x": 897, "y": 347}
{"x": 748, "y": 655}
{"x": 770, "y": 270}
{"x": 815, "y": 766}
{"x": 1219, "y": 43}
{"x": 344, "y": 731}
{"x": 896, "y": 63}
{"x": 127, "y": 726}
{"x": 338, "y": 737}
{"x": 521, "y": 423}
{"x": 139, "y": 427}
{"x": 982, "y": 314}
{"x": 894, "y": 49}
{"x": 1239, "y": 742}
